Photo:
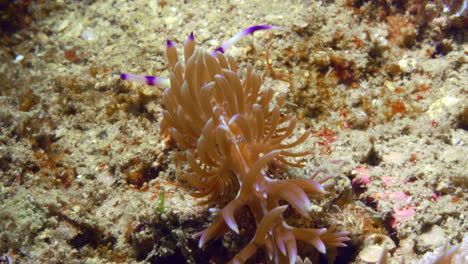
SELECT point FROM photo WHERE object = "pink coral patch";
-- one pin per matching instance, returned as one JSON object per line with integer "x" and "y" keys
{"x": 401, "y": 215}
{"x": 362, "y": 176}
{"x": 399, "y": 196}
{"x": 389, "y": 181}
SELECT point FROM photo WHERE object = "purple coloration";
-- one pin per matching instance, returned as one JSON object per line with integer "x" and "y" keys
{"x": 165, "y": 82}
{"x": 190, "y": 38}
{"x": 150, "y": 80}
{"x": 169, "y": 44}
{"x": 240, "y": 35}
{"x": 251, "y": 30}
{"x": 220, "y": 49}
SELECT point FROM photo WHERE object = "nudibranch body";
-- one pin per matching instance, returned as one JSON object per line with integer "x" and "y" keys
{"x": 231, "y": 131}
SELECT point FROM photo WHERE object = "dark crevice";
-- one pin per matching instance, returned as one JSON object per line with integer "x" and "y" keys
{"x": 372, "y": 158}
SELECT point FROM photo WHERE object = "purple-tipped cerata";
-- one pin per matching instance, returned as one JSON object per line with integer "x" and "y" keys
{"x": 169, "y": 43}
{"x": 251, "y": 30}
{"x": 191, "y": 37}
{"x": 149, "y": 80}
{"x": 189, "y": 48}
{"x": 242, "y": 34}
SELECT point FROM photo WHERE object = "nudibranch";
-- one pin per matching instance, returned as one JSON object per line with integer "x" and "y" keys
{"x": 230, "y": 131}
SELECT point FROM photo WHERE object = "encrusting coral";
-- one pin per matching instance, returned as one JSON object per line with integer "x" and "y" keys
{"x": 231, "y": 130}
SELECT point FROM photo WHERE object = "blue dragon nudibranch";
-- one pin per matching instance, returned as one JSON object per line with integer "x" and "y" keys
{"x": 231, "y": 130}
